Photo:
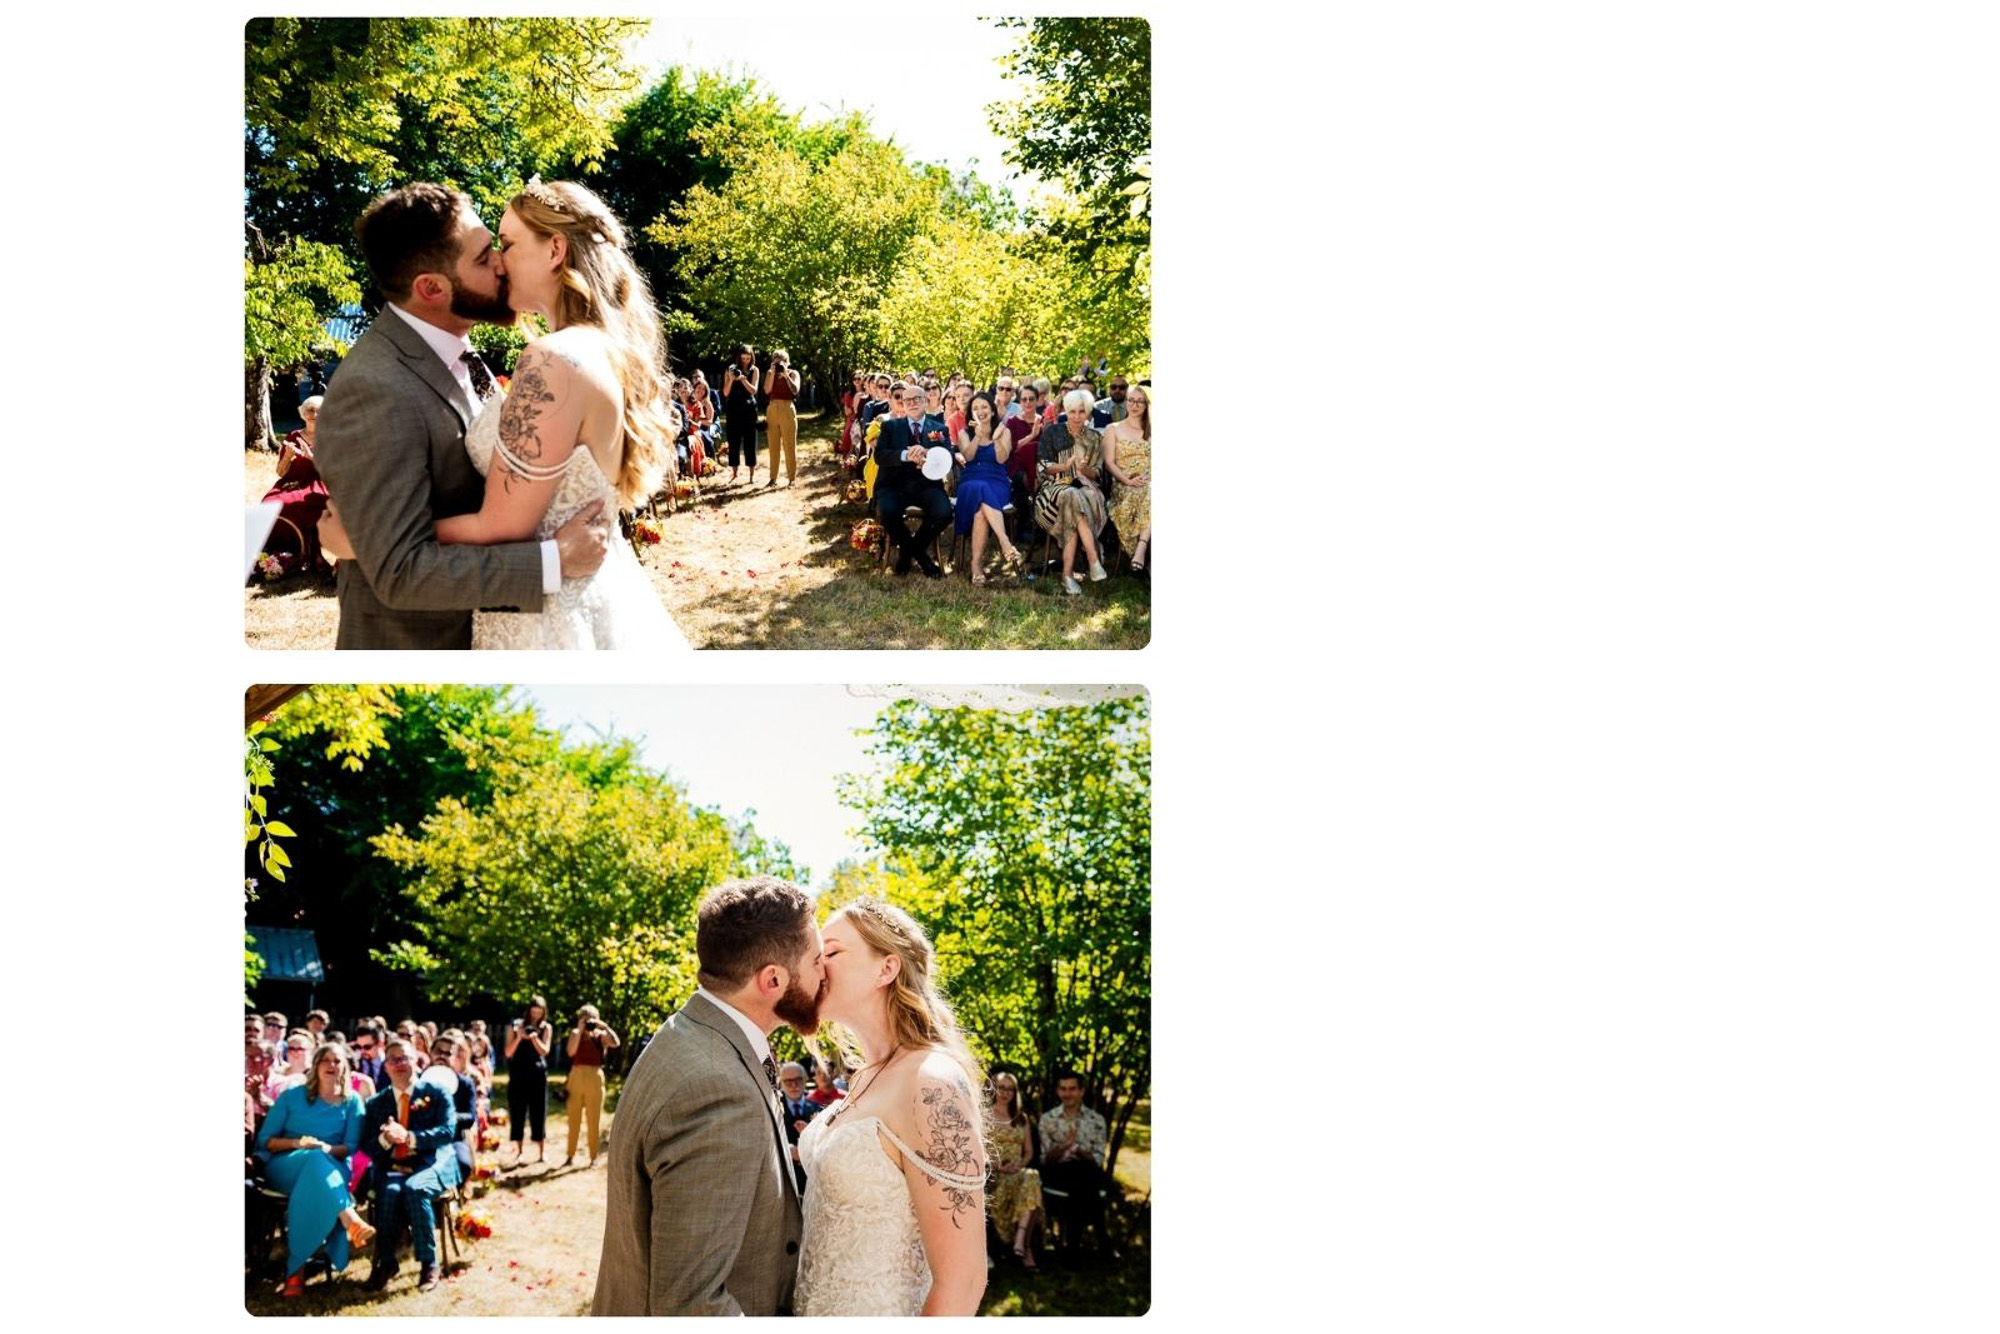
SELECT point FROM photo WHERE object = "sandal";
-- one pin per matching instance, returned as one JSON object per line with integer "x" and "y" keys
{"x": 295, "y": 1286}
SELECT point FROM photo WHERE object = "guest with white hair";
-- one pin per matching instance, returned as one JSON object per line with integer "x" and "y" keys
{"x": 1069, "y": 503}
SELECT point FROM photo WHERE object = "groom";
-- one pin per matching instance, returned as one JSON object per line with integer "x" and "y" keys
{"x": 392, "y": 439}
{"x": 702, "y": 1211}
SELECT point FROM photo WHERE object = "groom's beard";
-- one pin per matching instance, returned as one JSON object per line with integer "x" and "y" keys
{"x": 800, "y": 1008}
{"x": 471, "y": 305}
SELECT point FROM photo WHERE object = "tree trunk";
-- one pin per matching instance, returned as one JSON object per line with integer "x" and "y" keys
{"x": 257, "y": 432}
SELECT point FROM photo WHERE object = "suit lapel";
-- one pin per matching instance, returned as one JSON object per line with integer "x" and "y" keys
{"x": 701, "y": 1011}
{"x": 423, "y": 363}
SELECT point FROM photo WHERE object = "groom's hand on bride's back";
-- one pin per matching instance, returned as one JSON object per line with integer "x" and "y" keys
{"x": 582, "y": 542}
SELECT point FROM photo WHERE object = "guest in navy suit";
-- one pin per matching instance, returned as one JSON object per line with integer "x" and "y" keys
{"x": 798, "y": 1109}
{"x": 409, "y": 1129}
{"x": 900, "y": 482}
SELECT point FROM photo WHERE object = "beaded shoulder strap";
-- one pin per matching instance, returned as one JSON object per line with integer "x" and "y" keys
{"x": 935, "y": 1173}
{"x": 534, "y": 472}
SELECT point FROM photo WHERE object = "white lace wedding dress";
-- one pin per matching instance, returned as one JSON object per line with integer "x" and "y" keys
{"x": 616, "y": 608}
{"x": 861, "y": 1253}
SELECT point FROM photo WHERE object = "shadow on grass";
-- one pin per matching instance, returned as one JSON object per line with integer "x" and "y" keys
{"x": 866, "y": 606}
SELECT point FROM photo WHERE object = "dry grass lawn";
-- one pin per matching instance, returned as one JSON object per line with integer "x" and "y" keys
{"x": 754, "y": 566}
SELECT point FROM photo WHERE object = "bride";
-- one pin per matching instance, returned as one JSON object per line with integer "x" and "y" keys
{"x": 585, "y": 419}
{"x": 895, "y": 1209}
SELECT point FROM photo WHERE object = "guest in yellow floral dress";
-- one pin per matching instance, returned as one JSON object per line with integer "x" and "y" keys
{"x": 1017, "y": 1187}
{"x": 1128, "y": 457}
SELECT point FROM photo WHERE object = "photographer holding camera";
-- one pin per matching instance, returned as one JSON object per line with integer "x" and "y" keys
{"x": 586, "y": 1047}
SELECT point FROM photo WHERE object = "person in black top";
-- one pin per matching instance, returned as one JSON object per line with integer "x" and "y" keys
{"x": 739, "y": 409}
{"x": 900, "y": 483}
{"x": 528, "y": 1041}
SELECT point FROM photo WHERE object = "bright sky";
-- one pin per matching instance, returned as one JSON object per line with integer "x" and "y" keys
{"x": 774, "y": 749}
{"x": 827, "y": 61}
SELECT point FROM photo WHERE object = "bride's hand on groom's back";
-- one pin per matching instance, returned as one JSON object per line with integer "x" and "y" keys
{"x": 582, "y": 542}
{"x": 333, "y": 534}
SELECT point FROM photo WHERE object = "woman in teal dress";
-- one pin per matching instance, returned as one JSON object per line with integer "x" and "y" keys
{"x": 306, "y": 1139}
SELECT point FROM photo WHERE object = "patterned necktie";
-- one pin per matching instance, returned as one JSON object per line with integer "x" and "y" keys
{"x": 482, "y": 379}
{"x": 771, "y": 1073}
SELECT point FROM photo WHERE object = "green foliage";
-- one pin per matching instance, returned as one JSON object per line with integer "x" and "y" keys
{"x": 284, "y": 297}
{"x": 474, "y": 102}
{"x": 1084, "y": 120}
{"x": 581, "y": 893}
{"x": 336, "y": 110}
{"x": 506, "y": 341}
{"x": 797, "y": 252}
{"x": 1023, "y": 844}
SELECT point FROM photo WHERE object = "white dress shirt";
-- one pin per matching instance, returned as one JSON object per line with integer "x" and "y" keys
{"x": 451, "y": 349}
{"x": 762, "y": 1046}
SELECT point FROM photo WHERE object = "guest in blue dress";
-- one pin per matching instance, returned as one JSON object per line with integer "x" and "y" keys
{"x": 984, "y": 489}
{"x": 305, "y": 1141}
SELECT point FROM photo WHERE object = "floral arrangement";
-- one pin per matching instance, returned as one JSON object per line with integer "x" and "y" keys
{"x": 684, "y": 489}
{"x": 855, "y": 490}
{"x": 270, "y": 566}
{"x": 489, "y": 1138}
{"x": 474, "y": 1224}
{"x": 496, "y": 1117}
{"x": 646, "y": 530}
{"x": 865, "y": 535}
{"x": 709, "y": 467}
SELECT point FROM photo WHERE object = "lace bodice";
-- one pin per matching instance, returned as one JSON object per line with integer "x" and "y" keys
{"x": 861, "y": 1252}
{"x": 582, "y": 479}
{"x": 614, "y": 608}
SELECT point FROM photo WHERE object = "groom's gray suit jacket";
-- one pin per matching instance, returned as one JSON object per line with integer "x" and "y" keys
{"x": 698, "y": 1218}
{"x": 391, "y": 450}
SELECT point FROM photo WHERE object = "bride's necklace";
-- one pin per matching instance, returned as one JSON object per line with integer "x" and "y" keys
{"x": 874, "y": 1072}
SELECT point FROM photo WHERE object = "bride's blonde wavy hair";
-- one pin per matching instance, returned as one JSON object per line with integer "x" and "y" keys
{"x": 603, "y": 288}
{"x": 919, "y": 1016}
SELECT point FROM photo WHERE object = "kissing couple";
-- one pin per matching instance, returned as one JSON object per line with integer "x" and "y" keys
{"x": 703, "y": 1214}
{"x": 465, "y": 516}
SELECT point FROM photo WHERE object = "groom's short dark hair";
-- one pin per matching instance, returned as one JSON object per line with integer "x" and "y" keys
{"x": 411, "y": 231}
{"x": 745, "y": 924}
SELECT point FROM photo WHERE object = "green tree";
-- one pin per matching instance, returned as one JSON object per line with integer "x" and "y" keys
{"x": 338, "y": 109}
{"x": 1030, "y": 867}
{"x": 285, "y": 291}
{"x": 1084, "y": 120}
{"x": 795, "y": 251}
{"x": 580, "y": 893}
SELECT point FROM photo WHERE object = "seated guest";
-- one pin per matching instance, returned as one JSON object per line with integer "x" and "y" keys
{"x": 301, "y": 498}
{"x": 451, "y": 1073}
{"x": 1069, "y": 503}
{"x": 826, "y": 1090}
{"x": 1016, "y": 1187}
{"x": 1110, "y": 408}
{"x": 409, "y": 1128}
{"x": 367, "y": 1053}
{"x": 304, "y": 1141}
{"x": 900, "y": 484}
{"x": 1025, "y": 427}
{"x": 1005, "y": 394}
{"x": 256, "y": 1062}
{"x": 316, "y": 1022}
{"x": 1128, "y": 457}
{"x": 850, "y": 409}
{"x": 985, "y": 489}
{"x": 1073, "y": 1141}
{"x": 298, "y": 1058}
{"x": 882, "y": 395}
{"x": 798, "y": 1108}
